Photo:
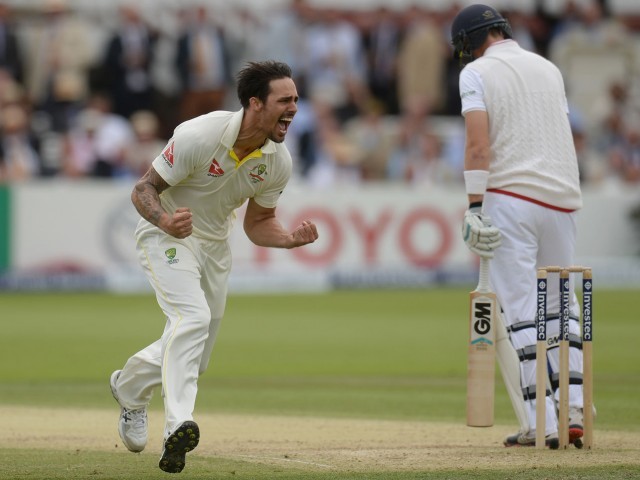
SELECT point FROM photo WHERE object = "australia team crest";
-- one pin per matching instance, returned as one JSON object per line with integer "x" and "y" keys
{"x": 258, "y": 173}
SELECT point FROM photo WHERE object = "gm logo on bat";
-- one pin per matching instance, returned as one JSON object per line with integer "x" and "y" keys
{"x": 481, "y": 330}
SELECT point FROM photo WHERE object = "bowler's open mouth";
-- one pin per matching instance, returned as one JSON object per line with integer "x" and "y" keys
{"x": 284, "y": 123}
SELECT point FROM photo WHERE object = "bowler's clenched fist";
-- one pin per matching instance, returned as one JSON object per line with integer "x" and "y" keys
{"x": 180, "y": 224}
{"x": 306, "y": 233}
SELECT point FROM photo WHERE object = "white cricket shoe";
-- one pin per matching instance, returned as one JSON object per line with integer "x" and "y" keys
{"x": 529, "y": 440}
{"x": 133, "y": 423}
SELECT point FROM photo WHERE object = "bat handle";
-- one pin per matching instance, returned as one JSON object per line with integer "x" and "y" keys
{"x": 483, "y": 282}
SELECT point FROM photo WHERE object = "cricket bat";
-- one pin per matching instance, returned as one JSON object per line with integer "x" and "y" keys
{"x": 481, "y": 354}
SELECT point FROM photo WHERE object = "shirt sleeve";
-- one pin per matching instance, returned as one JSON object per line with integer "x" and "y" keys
{"x": 180, "y": 158}
{"x": 271, "y": 194}
{"x": 471, "y": 91}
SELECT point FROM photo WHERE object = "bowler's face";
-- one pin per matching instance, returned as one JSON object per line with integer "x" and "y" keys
{"x": 279, "y": 109}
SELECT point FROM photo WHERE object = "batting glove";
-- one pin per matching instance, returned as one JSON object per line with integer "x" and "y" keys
{"x": 480, "y": 236}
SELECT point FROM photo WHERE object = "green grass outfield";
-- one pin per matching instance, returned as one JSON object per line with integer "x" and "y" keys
{"x": 384, "y": 355}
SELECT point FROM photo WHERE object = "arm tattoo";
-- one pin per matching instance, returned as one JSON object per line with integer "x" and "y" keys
{"x": 146, "y": 196}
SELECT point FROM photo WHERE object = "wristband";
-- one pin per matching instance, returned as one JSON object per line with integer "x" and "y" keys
{"x": 475, "y": 181}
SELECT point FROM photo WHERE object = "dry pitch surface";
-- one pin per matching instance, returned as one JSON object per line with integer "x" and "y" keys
{"x": 318, "y": 444}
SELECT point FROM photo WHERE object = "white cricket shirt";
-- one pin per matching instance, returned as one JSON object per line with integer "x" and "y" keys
{"x": 207, "y": 177}
{"x": 533, "y": 152}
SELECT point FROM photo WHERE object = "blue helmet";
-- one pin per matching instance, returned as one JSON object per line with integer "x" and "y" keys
{"x": 470, "y": 28}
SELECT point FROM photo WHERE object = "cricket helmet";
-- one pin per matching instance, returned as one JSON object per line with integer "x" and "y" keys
{"x": 470, "y": 28}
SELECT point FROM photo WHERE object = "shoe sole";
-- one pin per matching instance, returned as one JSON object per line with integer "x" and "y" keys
{"x": 183, "y": 440}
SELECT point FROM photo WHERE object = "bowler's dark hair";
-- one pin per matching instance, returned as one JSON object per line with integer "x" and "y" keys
{"x": 255, "y": 77}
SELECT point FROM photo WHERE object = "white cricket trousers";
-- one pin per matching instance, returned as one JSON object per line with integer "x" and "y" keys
{"x": 533, "y": 236}
{"x": 189, "y": 277}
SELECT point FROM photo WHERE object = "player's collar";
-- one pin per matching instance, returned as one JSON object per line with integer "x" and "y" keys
{"x": 233, "y": 129}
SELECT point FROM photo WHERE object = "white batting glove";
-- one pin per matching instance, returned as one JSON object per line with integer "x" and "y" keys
{"x": 480, "y": 236}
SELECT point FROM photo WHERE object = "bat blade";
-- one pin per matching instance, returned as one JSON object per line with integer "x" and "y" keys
{"x": 481, "y": 356}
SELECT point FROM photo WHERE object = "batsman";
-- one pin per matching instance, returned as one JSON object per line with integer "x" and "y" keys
{"x": 521, "y": 178}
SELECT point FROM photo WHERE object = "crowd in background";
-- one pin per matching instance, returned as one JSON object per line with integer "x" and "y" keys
{"x": 99, "y": 95}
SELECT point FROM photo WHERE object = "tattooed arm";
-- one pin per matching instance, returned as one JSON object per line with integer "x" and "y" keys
{"x": 146, "y": 199}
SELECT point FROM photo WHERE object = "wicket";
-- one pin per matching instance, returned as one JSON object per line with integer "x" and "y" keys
{"x": 541, "y": 355}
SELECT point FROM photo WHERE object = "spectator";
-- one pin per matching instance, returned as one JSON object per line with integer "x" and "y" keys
{"x": 624, "y": 158}
{"x": 338, "y": 157}
{"x": 96, "y": 144}
{"x": 591, "y": 165}
{"x": 541, "y": 26}
{"x": 79, "y": 154}
{"x": 10, "y": 90}
{"x": 519, "y": 22}
{"x": 203, "y": 65}
{"x": 598, "y": 48}
{"x": 616, "y": 112}
{"x": 382, "y": 43}
{"x": 144, "y": 147}
{"x": 336, "y": 70}
{"x": 285, "y": 33}
{"x": 302, "y": 138}
{"x": 373, "y": 140}
{"x": 421, "y": 70}
{"x": 567, "y": 20}
{"x": 421, "y": 162}
{"x": 244, "y": 30}
{"x": 60, "y": 54}
{"x": 128, "y": 62}
{"x": 10, "y": 54}
{"x": 452, "y": 104}
{"x": 19, "y": 155}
